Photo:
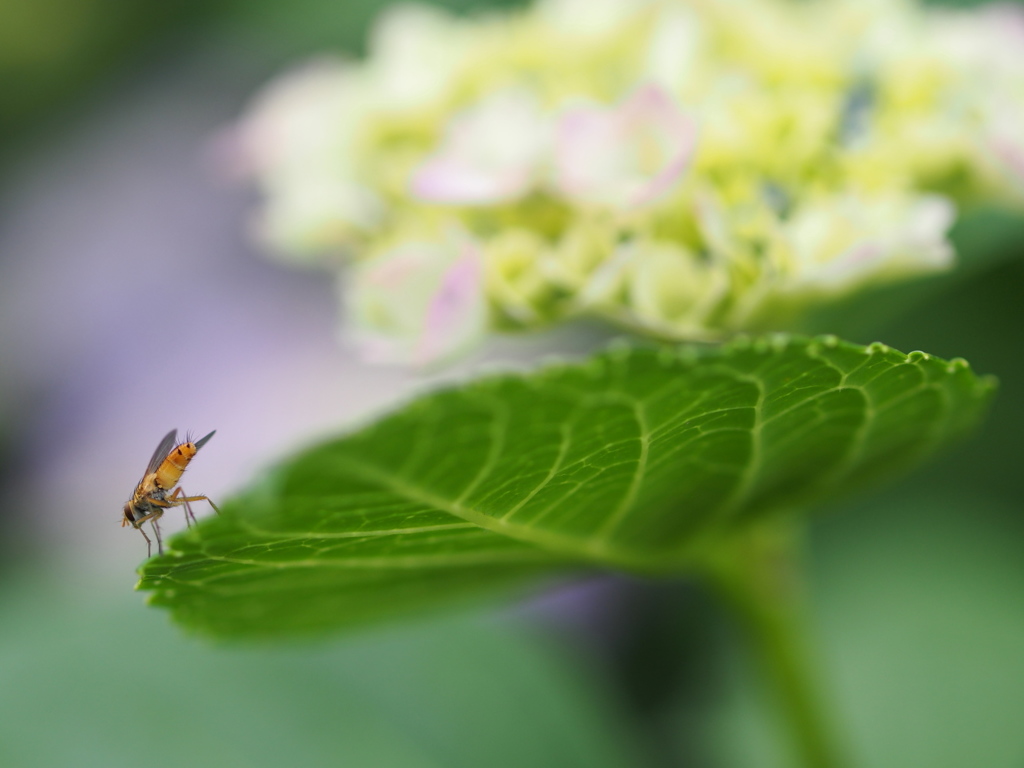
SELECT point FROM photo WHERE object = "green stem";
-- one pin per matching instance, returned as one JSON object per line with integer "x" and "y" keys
{"x": 759, "y": 581}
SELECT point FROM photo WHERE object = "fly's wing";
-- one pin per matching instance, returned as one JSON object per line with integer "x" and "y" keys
{"x": 170, "y": 439}
{"x": 204, "y": 440}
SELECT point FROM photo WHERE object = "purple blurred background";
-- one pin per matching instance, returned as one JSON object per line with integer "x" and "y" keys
{"x": 131, "y": 302}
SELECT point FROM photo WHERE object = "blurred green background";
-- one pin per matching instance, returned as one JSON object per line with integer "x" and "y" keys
{"x": 917, "y": 590}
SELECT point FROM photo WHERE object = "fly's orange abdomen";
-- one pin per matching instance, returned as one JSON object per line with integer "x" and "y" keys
{"x": 171, "y": 468}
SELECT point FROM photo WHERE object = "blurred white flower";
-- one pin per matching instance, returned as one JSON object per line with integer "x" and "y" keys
{"x": 625, "y": 156}
{"x": 836, "y": 246}
{"x": 297, "y": 141}
{"x": 1007, "y": 145}
{"x": 314, "y": 214}
{"x": 674, "y": 48}
{"x": 987, "y": 41}
{"x": 589, "y": 18}
{"x": 301, "y": 119}
{"x": 988, "y": 48}
{"x": 671, "y": 290}
{"x": 658, "y": 286}
{"x": 419, "y": 302}
{"x": 492, "y": 152}
{"x": 836, "y": 138}
{"x": 416, "y": 52}
{"x": 515, "y": 263}
{"x": 967, "y": 67}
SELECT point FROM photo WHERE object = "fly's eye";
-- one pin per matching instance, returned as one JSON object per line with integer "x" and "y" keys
{"x": 128, "y": 512}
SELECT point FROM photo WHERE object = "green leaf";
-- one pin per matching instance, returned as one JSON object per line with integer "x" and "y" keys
{"x": 645, "y": 459}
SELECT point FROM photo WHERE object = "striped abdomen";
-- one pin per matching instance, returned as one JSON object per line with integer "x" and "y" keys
{"x": 171, "y": 468}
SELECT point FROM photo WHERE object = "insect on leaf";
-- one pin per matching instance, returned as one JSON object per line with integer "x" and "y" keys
{"x": 637, "y": 458}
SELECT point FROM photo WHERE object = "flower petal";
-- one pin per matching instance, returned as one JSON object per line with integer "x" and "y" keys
{"x": 417, "y": 52}
{"x": 491, "y": 153}
{"x": 841, "y": 245}
{"x": 1011, "y": 153}
{"x": 626, "y": 156}
{"x": 418, "y": 303}
{"x": 589, "y": 19}
{"x": 302, "y": 117}
{"x": 456, "y": 312}
{"x": 314, "y": 213}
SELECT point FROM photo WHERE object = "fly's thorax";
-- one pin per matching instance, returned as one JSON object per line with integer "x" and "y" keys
{"x": 171, "y": 468}
{"x": 135, "y": 510}
{"x": 146, "y": 491}
{"x": 141, "y": 506}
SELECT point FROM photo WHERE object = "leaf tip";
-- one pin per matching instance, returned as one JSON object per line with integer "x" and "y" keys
{"x": 986, "y": 384}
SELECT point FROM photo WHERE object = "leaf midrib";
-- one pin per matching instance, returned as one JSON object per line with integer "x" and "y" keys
{"x": 568, "y": 546}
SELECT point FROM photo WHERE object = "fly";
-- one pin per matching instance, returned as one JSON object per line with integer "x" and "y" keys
{"x": 156, "y": 490}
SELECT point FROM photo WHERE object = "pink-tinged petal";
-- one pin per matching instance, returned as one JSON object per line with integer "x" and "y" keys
{"x": 627, "y": 156}
{"x": 1007, "y": 18}
{"x": 491, "y": 153}
{"x": 453, "y": 316}
{"x": 984, "y": 46}
{"x": 448, "y": 179}
{"x": 419, "y": 303}
{"x": 1010, "y": 154}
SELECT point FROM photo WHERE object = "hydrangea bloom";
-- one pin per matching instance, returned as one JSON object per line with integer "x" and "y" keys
{"x": 418, "y": 302}
{"x": 673, "y": 166}
{"x": 492, "y": 153}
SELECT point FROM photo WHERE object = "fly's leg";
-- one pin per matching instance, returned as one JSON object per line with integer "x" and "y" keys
{"x": 152, "y": 517}
{"x": 159, "y": 539}
{"x": 175, "y": 500}
{"x": 172, "y": 501}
